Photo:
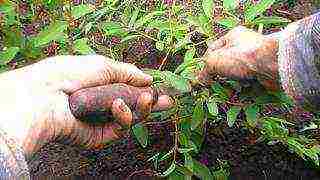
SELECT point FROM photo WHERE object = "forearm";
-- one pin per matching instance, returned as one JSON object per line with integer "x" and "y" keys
{"x": 298, "y": 61}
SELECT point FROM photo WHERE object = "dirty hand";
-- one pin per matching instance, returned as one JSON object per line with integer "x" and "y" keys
{"x": 242, "y": 54}
{"x": 34, "y": 103}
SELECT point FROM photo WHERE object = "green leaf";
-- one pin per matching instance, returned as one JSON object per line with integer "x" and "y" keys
{"x": 166, "y": 156}
{"x": 232, "y": 115}
{"x": 255, "y": 10}
{"x": 183, "y": 139}
{"x": 313, "y": 154}
{"x": 129, "y": 37}
{"x": 88, "y": 27}
{"x": 185, "y": 150}
{"x": 270, "y": 20}
{"x": 55, "y": 32}
{"x": 159, "y": 24}
{"x": 175, "y": 175}
{"x": 81, "y": 10}
{"x": 201, "y": 171}
{"x": 114, "y": 29}
{"x": 202, "y": 23}
{"x": 197, "y": 116}
{"x": 296, "y": 146}
{"x": 207, "y": 6}
{"x": 144, "y": 20}
{"x": 160, "y": 45}
{"x": 189, "y": 54}
{"x": 141, "y": 134}
{"x": 220, "y": 91}
{"x": 81, "y": 46}
{"x": 197, "y": 140}
{"x": 212, "y": 107}
{"x": 8, "y": 8}
{"x": 169, "y": 170}
{"x": 228, "y": 22}
{"x": 134, "y": 17}
{"x": 206, "y": 26}
{"x": 184, "y": 170}
{"x": 8, "y": 54}
{"x": 188, "y": 162}
{"x": 252, "y": 114}
{"x": 176, "y": 82}
{"x": 230, "y": 5}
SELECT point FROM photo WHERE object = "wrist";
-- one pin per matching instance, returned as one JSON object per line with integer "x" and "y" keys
{"x": 19, "y": 119}
{"x": 267, "y": 63}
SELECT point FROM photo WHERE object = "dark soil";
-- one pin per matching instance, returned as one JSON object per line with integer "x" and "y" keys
{"x": 126, "y": 160}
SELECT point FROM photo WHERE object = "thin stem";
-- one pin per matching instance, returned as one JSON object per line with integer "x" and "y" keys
{"x": 176, "y": 133}
{"x": 164, "y": 60}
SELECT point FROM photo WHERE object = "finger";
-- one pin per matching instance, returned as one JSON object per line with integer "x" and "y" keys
{"x": 121, "y": 112}
{"x": 213, "y": 66}
{"x": 217, "y": 44}
{"x": 144, "y": 104}
{"x": 91, "y": 136}
{"x": 164, "y": 102}
{"x": 129, "y": 74}
{"x": 71, "y": 73}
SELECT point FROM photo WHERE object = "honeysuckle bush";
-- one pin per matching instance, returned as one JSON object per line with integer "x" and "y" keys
{"x": 33, "y": 30}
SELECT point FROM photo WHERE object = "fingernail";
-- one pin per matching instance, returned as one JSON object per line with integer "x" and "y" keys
{"x": 148, "y": 78}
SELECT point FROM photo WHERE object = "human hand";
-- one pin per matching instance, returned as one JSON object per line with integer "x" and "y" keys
{"x": 242, "y": 54}
{"x": 34, "y": 100}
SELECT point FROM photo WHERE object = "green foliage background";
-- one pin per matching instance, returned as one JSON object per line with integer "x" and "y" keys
{"x": 37, "y": 29}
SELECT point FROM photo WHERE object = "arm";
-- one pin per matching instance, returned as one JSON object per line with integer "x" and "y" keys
{"x": 298, "y": 60}
{"x": 35, "y": 109}
{"x": 286, "y": 59}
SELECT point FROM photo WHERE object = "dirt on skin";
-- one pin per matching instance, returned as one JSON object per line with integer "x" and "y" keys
{"x": 125, "y": 159}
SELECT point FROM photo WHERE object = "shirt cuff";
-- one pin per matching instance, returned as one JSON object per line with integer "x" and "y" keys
{"x": 12, "y": 160}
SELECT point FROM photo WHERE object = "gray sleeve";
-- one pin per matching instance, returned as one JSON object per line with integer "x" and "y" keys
{"x": 13, "y": 165}
{"x": 299, "y": 62}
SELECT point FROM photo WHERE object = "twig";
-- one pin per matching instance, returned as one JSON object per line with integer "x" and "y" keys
{"x": 157, "y": 122}
{"x": 145, "y": 171}
{"x": 175, "y": 148}
{"x": 236, "y": 103}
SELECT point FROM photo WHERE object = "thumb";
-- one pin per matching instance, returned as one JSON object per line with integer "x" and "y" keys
{"x": 129, "y": 74}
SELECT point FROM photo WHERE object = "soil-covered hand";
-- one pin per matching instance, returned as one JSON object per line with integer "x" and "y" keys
{"x": 34, "y": 104}
{"x": 242, "y": 54}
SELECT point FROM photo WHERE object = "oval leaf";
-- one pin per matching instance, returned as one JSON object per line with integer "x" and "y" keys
{"x": 228, "y": 22}
{"x": 271, "y": 20}
{"x": 114, "y": 29}
{"x": 252, "y": 114}
{"x": 144, "y": 20}
{"x": 189, "y": 54}
{"x": 212, "y": 107}
{"x": 201, "y": 171}
{"x": 197, "y": 116}
{"x": 255, "y": 10}
{"x": 8, "y": 54}
{"x": 176, "y": 82}
{"x": 81, "y": 46}
{"x": 81, "y": 10}
{"x": 141, "y": 133}
{"x": 232, "y": 115}
{"x": 53, "y": 33}
{"x": 207, "y": 6}
{"x": 230, "y": 5}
